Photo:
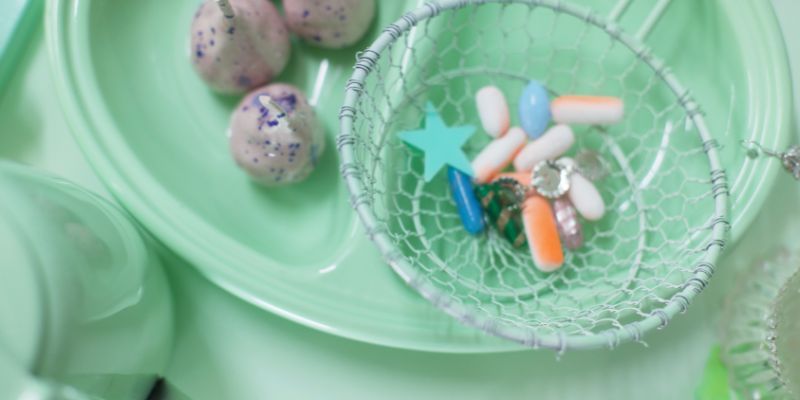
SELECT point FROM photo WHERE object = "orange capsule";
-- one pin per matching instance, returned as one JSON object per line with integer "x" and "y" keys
{"x": 498, "y": 154}
{"x": 541, "y": 230}
{"x": 591, "y": 110}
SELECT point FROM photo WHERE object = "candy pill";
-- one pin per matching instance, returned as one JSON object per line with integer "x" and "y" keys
{"x": 331, "y": 24}
{"x": 586, "y": 198}
{"x": 236, "y": 54}
{"x": 591, "y": 110}
{"x": 541, "y": 231}
{"x": 275, "y": 136}
{"x": 502, "y": 207}
{"x": 534, "y": 109}
{"x": 584, "y": 195}
{"x": 569, "y": 228}
{"x": 555, "y": 142}
{"x": 493, "y": 111}
{"x": 497, "y": 155}
{"x": 469, "y": 209}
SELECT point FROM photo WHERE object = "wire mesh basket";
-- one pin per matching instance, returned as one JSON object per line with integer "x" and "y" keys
{"x": 666, "y": 190}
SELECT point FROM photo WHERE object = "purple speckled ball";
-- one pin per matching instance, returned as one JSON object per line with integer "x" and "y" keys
{"x": 329, "y": 23}
{"x": 276, "y": 139}
{"x": 234, "y": 55}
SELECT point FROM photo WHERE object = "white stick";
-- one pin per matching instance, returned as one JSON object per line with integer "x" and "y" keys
{"x": 618, "y": 10}
{"x": 651, "y": 20}
{"x": 226, "y": 8}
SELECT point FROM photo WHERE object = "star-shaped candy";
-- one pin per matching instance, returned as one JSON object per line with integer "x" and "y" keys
{"x": 441, "y": 144}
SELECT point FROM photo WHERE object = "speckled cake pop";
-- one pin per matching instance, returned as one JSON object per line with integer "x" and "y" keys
{"x": 329, "y": 23}
{"x": 275, "y": 136}
{"x": 242, "y": 50}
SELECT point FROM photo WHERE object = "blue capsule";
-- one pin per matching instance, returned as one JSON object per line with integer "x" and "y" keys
{"x": 534, "y": 109}
{"x": 469, "y": 209}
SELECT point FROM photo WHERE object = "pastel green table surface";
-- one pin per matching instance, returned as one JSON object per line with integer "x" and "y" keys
{"x": 229, "y": 349}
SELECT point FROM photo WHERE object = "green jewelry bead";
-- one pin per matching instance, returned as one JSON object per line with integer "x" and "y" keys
{"x": 500, "y": 203}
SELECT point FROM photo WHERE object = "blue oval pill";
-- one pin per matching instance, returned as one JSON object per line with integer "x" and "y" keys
{"x": 469, "y": 209}
{"x": 534, "y": 109}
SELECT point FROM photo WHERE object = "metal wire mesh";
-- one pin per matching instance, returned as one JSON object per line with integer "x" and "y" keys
{"x": 749, "y": 330}
{"x": 666, "y": 191}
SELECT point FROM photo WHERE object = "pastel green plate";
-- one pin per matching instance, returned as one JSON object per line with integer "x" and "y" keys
{"x": 156, "y": 136}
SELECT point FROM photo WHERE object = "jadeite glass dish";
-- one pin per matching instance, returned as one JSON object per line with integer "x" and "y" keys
{"x": 156, "y": 136}
{"x": 17, "y": 22}
{"x": 759, "y": 329}
{"x": 83, "y": 300}
{"x": 787, "y": 344}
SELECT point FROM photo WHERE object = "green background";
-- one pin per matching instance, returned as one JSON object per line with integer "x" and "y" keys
{"x": 229, "y": 349}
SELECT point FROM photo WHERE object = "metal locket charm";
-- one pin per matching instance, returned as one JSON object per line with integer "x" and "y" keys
{"x": 551, "y": 178}
{"x": 790, "y": 158}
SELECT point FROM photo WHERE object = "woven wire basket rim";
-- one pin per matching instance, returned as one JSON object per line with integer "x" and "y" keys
{"x": 610, "y": 338}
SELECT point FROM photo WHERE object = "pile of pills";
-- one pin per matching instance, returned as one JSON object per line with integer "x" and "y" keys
{"x": 542, "y": 202}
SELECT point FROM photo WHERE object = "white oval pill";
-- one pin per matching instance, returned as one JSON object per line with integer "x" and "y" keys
{"x": 555, "y": 142}
{"x": 585, "y": 197}
{"x": 498, "y": 154}
{"x": 493, "y": 111}
{"x": 590, "y": 110}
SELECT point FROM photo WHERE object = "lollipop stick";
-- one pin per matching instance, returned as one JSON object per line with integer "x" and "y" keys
{"x": 225, "y": 7}
{"x": 267, "y": 101}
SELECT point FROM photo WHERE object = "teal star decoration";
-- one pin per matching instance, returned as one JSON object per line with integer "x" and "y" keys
{"x": 440, "y": 143}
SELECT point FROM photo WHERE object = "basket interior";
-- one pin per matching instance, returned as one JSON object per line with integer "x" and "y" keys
{"x": 658, "y": 192}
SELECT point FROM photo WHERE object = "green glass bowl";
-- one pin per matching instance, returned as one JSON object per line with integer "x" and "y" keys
{"x": 758, "y": 332}
{"x": 18, "y": 20}
{"x": 83, "y": 300}
{"x": 156, "y": 136}
{"x": 786, "y": 316}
